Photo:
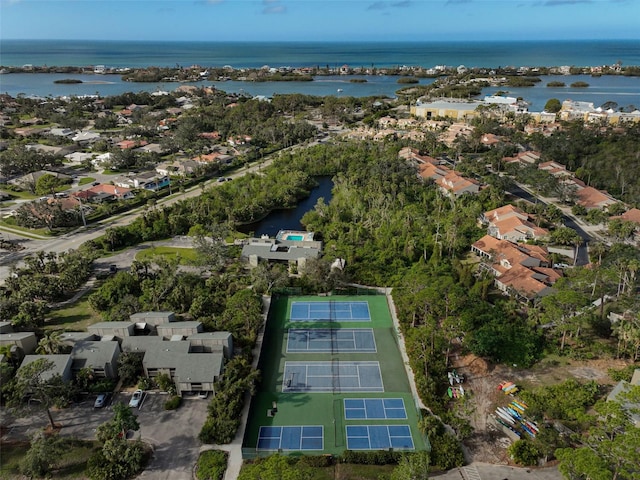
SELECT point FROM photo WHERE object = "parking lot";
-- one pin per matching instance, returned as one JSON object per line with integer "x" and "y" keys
{"x": 166, "y": 431}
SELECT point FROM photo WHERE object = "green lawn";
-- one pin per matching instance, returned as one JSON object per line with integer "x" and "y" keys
{"x": 185, "y": 256}
{"x": 74, "y": 318}
{"x": 19, "y": 195}
{"x": 86, "y": 180}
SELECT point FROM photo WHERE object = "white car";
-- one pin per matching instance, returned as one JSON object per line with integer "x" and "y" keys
{"x": 100, "y": 400}
{"x": 136, "y": 399}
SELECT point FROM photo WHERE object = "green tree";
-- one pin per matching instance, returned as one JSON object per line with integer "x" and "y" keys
{"x": 123, "y": 420}
{"x": 130, "y": 367}
{"x": 267, "y": 276}
{"x": 553, "y": 105}
{"x": 51, "y": 343}
{"x": 43, "y": 388}
{"x": 412, "y": 466}
{"x": 43, "y": 454}
{"x": 523, "y": 452}
{"x": 47, "y": 184}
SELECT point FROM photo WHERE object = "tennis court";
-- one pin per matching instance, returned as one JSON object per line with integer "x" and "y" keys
{"x": 335, "y": 376}
{"x": 379, "y": 437}
{"x": 331, "y": 340}
{"x": 306, "y": 437}
{"x": 374, "y": 409}
{"x": 334, "y": 311}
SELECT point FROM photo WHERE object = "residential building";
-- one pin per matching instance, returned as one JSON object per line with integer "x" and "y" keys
{"x": 521, "y": 270}
{"x": 118, "y": 330}
{"x": 456, "y": 109}
{"x": 100, "y": 356}
{"x": 207, "y": 342}
{"x": 523, "y": 158}
{"x": 289, "y": 250}
{"x": 623, "y": 387}
{"x": 153, "y": 318}
{"x": 61, "y": 365}
{"x": 22, "y": 343}
{"x": 513, "y": 224}
{"x": 173, "y": 330}
{"x": 591, "y": 198}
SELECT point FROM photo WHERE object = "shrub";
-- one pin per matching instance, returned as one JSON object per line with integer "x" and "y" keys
{"x": 376, "y": 457}
{"x": 316, "y": 461}
{"x": 211, "y": 465}
{"x": 145, "y": 383}
{"x": 173, "y": 403}
{"x": 624, "y": 374}
{"x": 524, "y": 453}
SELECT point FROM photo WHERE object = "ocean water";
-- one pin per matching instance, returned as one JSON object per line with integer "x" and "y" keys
{"x": 625, "y": 91}
{"x": 297, "y": 54}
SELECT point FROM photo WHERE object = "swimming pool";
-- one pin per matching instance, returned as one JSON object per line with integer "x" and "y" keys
{"x": 295, "y": 238}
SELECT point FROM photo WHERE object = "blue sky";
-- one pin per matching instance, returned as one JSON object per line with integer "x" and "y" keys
{"x": 324, "y": 20}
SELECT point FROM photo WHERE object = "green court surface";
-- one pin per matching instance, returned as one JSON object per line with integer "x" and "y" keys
{"x": 325, "y": 408}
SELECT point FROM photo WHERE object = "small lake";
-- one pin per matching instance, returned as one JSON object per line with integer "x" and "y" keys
{"x": 290, "y": 219}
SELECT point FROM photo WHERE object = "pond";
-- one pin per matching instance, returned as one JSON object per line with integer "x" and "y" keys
{"x": 290, "y": 219}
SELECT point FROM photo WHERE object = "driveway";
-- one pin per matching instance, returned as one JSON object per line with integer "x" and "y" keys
{"x": 173, "y": 435}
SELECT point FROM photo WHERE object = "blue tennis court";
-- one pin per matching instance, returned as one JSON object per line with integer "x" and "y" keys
{"x": 374, "y": 409}
{"x": 291, "y": 438}
{"x": 330, "y": 311}
{"x": 379, "y": 437}
{"x": 331, "y": 340}
{"x": 335, "y": 376}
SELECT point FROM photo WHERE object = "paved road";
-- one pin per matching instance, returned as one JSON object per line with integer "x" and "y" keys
{"x": 582, "y": 257}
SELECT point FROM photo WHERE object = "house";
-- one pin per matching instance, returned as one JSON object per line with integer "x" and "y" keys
{"x": 198, "y": 372}
{"x": 78, "y": 157}
{"x": 520, "y": 269}
{"x": 61, "y": 365}
{"x": 101, "y": 160}
{"x": 29, "y": 180}
{"x": 85, "y": 137}
{"x": 554, "y": 168}
{"x": 128, "y": 144}
{"x": 292, "y": 252}
{"x": 454, "y": 184}
{"x": 212, "y": 342}
{"x": 153, "y": 318}
{"x": 118, "y": 330}
{"x": 631, "y": 215}
{"x": 104, "y": 193}
{"x": 178, "y": 329}
{"x": 148, "y": 180}
{"x": 623, "y": 387}
{"x": 511, "y": 223}
{"x": 101, "y": 357}
{"x": 523, "y": 158}
{"x": 22, "y": 343}
{"x": 71, "y": 338}
{"x": 413, "y": 154}
{"x": 592, "y": 198}
{"x": 61, "y": 132}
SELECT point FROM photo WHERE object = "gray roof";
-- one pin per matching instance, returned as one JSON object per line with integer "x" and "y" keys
{"x": 90, "y": 353}
{"x": 166, "y": 354}
{"x": 140, "y": 343}
{"x": 199, "y": 367}
{"x": 72, "y": 337}
{"x": 270, "y": 249}
{"x": 14, "y": 336}
{"x": 113, "y": 325}
{"x": 214, "y": 335}
{"x": 60, "y": 364}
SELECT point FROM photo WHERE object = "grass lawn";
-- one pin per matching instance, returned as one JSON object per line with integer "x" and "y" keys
{"x": 75, "y": 317}
{"x": 21, "y": 195}
{"x": 84, "y": 181}
{"x": 71, "y": 465}
{"x": 185, "y": 256}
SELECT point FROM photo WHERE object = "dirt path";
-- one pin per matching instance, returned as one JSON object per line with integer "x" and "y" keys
{"x": 488, "y": 444}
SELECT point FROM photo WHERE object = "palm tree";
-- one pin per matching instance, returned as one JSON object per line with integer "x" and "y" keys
{"x": 51, "y": 343}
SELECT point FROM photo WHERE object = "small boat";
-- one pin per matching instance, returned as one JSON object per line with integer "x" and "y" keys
{"x": 340, "y": 90}
{"x": 450, "y": 392}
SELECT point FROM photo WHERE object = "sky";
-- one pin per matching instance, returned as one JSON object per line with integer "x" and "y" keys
{"x": 319, "y": 20}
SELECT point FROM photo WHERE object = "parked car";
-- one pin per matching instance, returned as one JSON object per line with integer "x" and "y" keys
{"x": 203, "y": 395}
{"x": 221, "y": 179}
{"x": 136, "y": 399}
{"x": 101, "y": 400}
{"x": 113, "y": 268}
